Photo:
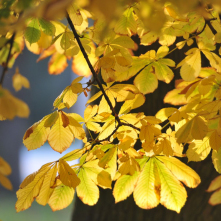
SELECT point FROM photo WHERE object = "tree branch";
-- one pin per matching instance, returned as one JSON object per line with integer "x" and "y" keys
{"x": 92, "y": 70}
{"x": 10, "y": 41}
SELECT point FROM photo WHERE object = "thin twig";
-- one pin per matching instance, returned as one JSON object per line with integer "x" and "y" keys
{"x": 11, "y": 41}
{"x": 92, "y": 70}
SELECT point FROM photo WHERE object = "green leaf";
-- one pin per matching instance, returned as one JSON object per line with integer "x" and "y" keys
{"x": 126, "y": 25}
{"x": 146, "y": 81}
{"x": 47, "y": 27}
{"x": 32, "y": 32}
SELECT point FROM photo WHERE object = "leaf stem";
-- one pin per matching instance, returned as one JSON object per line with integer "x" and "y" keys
{"x": 10, "y": 41}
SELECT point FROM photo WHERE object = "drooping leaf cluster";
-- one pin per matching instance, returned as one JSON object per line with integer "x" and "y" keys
{"x": 108, "y": 159}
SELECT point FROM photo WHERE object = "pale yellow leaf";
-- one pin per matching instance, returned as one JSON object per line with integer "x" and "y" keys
{"x": 145, "y": 195}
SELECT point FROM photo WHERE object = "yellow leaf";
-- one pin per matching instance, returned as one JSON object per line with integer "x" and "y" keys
{"x": 89, "y": 112}
{"x": 163, "y": 72}
{"x": 69, "y": 98}
{"x": 67, "y": 175}
{"x": 199, "y": 128}
{"x": 11, "y": 106}
{"x": 198, "y": 150}
{"x": 124, "y": 187}
{"x": 107, "y": 129}
{"x": 36, "y": 135}
{"x": 165, "y": 113}
{"x": 146, "y": 81}
{"x": 181, "y": 171}
{"x": 75, "y": 128}
{"x": 191, "y": 66}
{"x": 57, "y": 64}
{"x": 5, "y": 182}
{"x": 215, "y": 140}
{"x": 145, "y": 194}
{"x": 216, "y": 157}
{"x": 80, "y": 66}
{"x": 5, "y": 168}
{"x": 19, "y": 81}
{"x": 73, "y": 155}
{"x": 75, "y": 14}
{"x": 216, "y": 196}
{"x": 215, "y": 184}
{"x": 60, "y": 137}
{"x": 172, "y": 194}
{"x": 126, "y": 25}
{"x": 61, "y": 197}
{"x": 45, "y": 191}
{"x": 107, "y": 157}
{"x": 51, "y": 119}
{"x": 196, "y": 128}
{"x": 87, "y": 190}
{"x": 128, "y": 166}
{"x": 104, "y": 179}
{"x": 30, "y": 191}
{"x": 132, "y": 104}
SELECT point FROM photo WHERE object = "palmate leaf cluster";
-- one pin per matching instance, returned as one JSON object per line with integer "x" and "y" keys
{"x": 153, "y": 173}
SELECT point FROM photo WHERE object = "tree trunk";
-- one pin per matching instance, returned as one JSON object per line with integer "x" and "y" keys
{"x": 196, "y": 207}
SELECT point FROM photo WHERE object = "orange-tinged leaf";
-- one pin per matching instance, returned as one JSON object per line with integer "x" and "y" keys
{"x": 57, "y": 64}
{"x": 60, "y": 137}
{"x": 36, "y": 135}
{"x": 215, "y": 184}
{"x": 215, "y": 198}
{"x": 67, "y": 175}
